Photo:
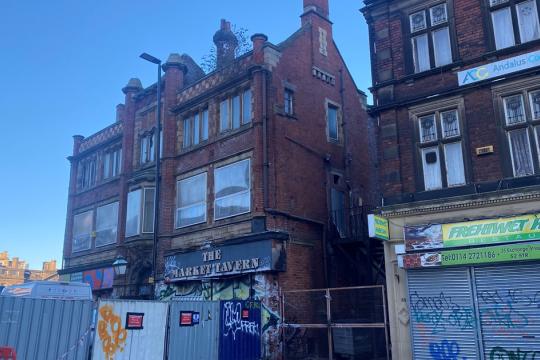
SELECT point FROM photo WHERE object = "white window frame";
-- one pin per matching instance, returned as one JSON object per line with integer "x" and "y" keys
{"x": 439, "y": 163}
{"x": 248, "y": 191}
{"x": 512, "y": 153}
{"x": 204, "y": 202}
{"x": 442, "y": 124}
{"x": 522, "y": 107}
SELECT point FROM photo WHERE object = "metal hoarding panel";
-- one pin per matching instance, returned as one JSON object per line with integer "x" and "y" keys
{"x": 46, "y": 328}
{"x": 443, "y": 320}
{"x": 117, "y": 338}
{"x": 240, "y": 330}
{"x": 509, "y": 307}
{"x": 198, "y": 341}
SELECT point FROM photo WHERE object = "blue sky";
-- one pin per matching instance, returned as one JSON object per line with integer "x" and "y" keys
{"x": 63, "y": 64}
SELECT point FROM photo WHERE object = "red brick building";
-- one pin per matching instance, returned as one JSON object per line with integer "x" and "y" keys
{"x": 264, "y": 177}
{"x": 456, "y": 87}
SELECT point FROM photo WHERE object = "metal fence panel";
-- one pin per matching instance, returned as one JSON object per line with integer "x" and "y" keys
{"x": 129, "y": 329}
{"x": 240, "y": 330}
{"x": 46, "y": 328}
{"x": 198, "y": 341}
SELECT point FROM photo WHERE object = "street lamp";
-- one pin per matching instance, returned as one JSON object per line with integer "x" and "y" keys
{"x": 156, "y": 61}
{"x": 120, "y": 266}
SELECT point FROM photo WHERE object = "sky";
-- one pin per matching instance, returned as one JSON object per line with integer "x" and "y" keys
{"x": 63, "y": 64}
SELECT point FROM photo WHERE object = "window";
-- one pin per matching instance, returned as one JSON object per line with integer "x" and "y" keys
{"x": 148, "y": 152}
{"x": 332, "y": 113}
{"x": 514, "y": 22}
{"x": 106, "y": 224}
{"x": 82, "y": 231}
{"x": 196, "y": 129}
{"x": 338, "y": 211}
{"x": 87, "y": 173}
{"x": 441, "y": 149}
{"x": 140, "y": 211}
{"x": 191, "y": 201}
{"x": 289, "y": 102}
{"x": 112, "y": 163}
{"x": 521, "y": 124}
{"x": 430, "y": 38}
{"x": 235, "y": 111}
{"x": 232, "y": 186}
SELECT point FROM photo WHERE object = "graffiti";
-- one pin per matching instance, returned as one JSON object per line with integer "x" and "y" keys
{"x": 441, "y": 311}
{"x": 500, "y": 353}
{"x": 446, "y": 350}
{"x": 111, "y": 333}
{"x": 500, "y": 307}
{"x": 232, "y": 321}
{"x": 261, "y": 287}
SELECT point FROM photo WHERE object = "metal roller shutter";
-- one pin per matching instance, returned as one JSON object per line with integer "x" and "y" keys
{"x": 443, "y": 320}
{"x": 508, "y": 300}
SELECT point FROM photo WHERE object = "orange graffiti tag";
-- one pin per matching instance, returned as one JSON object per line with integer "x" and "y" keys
{"x": 112, "y": 334}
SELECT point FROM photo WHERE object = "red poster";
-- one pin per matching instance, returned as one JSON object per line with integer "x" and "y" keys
{"x": 134, "y": 321}
{"x": 186, "y": 318}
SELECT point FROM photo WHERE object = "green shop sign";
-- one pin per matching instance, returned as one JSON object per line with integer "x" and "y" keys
{"x": 522, "y": 228}
{"x": 378, "y": 227}
{"x": 472, "y": 233}
{"x": 491, "y": 254}
{"x": 472, "y": 256}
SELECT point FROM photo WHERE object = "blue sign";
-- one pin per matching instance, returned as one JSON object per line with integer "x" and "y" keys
{"x": 240, "y": 330}
{"x": 499, "y": 68}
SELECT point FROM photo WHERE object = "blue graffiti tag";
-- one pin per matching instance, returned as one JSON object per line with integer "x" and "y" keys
{"x": 441, "y": 312}
{"x": 446, "y": 350}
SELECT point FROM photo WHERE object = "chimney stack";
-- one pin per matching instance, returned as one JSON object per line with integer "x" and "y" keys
{"x": 319, "y": 6}
{"x": 226, "y": 44}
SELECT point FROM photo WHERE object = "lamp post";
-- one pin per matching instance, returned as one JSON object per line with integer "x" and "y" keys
{"x": 156, "y": 61}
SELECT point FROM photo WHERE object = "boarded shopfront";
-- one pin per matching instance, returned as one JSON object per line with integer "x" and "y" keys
{"x": 474, "y": 289}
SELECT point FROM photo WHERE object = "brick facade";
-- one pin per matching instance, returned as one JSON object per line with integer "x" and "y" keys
{"x": 397, "y": 89}
{"x": 293, "y": 162}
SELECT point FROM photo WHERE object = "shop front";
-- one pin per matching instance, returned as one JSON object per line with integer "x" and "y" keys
{"x": 236, "y": 271}
{"x": 466, "y": 289}
{"x": 474, "y": 288}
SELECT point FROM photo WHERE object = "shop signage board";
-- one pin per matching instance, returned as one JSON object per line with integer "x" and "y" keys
{"x": 378, "y": 227}
{"x": 249, "y": 257}
{"x": 472, "y": 256}
{"x": 499, "y": 68}
{"x": 472, "y": 233}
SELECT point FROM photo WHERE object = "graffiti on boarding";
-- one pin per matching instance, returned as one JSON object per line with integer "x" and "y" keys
{"x": 240, "y": 332}
{"x": 441, "y": 312}
{"x": 233, "y": 321}
{"x": 111, "y": 333}
{"x": 500, "y": 353}
{"x": 445, "y": 350}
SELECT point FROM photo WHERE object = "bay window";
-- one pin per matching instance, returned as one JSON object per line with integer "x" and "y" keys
{"x": 441, "y": 149}
{"x": 140, "y": 211}
{"x": 514, "y": 22}
{"x": 232, "y": 187}
{"x": 430, "y": 38}
{"x": 191, "y": 201}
